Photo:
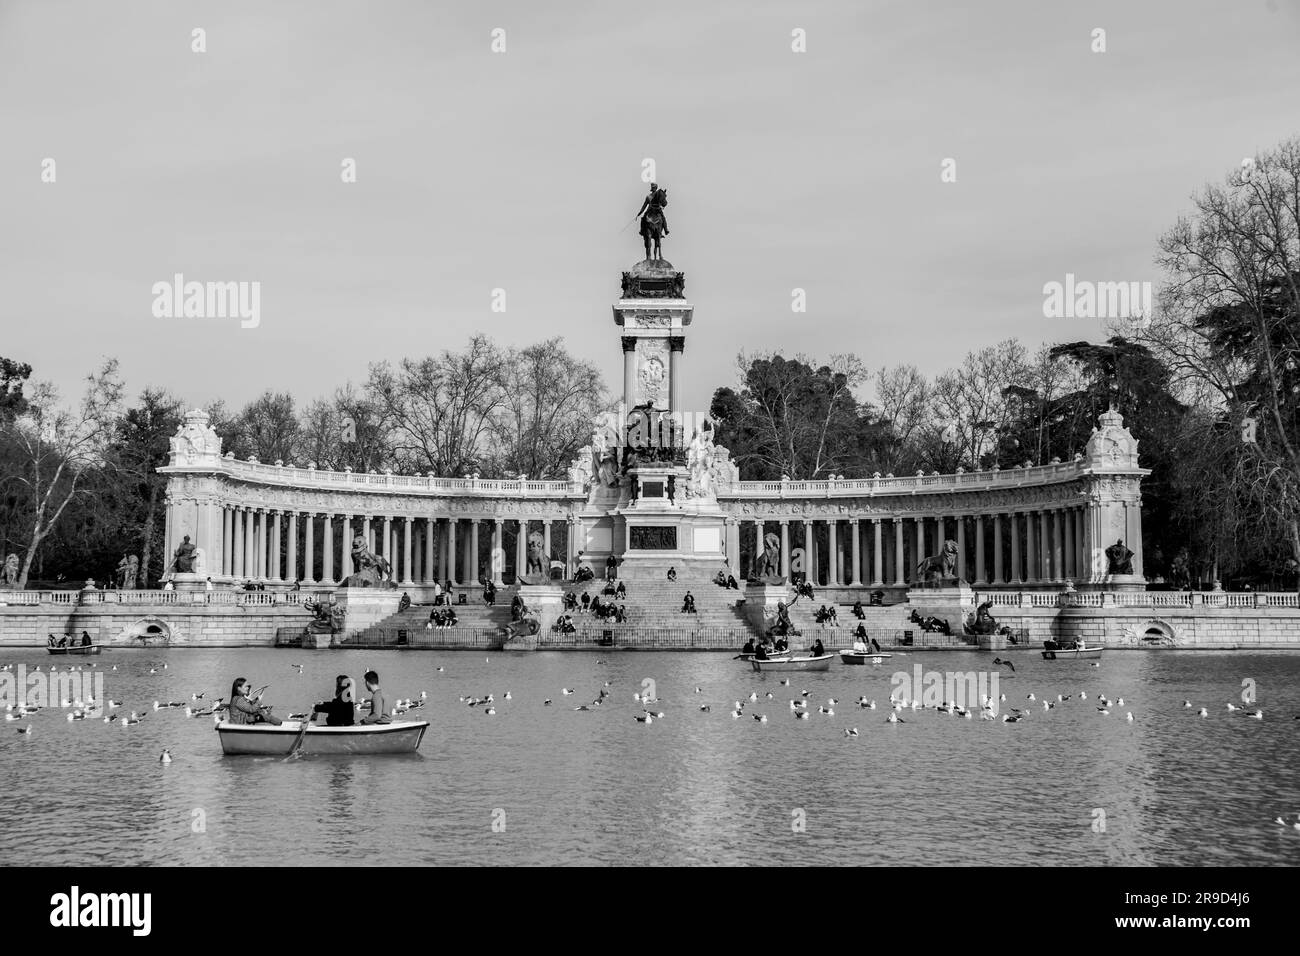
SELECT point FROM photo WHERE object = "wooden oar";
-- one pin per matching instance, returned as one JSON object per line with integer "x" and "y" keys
{"x": 302, "y": 732}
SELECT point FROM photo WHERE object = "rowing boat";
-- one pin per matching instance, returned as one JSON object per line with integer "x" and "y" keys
{"x": 861, "y": 657}
{"x": 1070, "y": 652}
{"x": 822, "y": 663}
{"x": 271, "y": 740}
{"x": 76, "y": 649}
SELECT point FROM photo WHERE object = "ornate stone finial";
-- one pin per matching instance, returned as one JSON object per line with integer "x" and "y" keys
{"x": 1111, "y": 444}
{"x": 196, "y": 442}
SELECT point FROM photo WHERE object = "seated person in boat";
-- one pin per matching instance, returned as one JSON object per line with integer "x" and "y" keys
{"x": 760, "y": 653}
{"x": 85, "y": 639}
{"x": 817, "y": 649}
{"x": 749, "y": 647}
{"x": 242, "y": 710}
{"x": 63, "y": 641}
{"x": 378, "y": 709}
{"x": 341, "y": 711}
{"x": 782, "y": 645}
{"x": 857, "y": 610}
{"x": 50, "y": 641}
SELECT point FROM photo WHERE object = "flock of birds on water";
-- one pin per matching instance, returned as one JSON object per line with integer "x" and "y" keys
{"x": 800, "y": 707}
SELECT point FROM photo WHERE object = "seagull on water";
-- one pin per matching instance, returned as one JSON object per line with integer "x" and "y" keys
{"x": 894, "y": 719}
{"x": 644, "y": 719}
{"x": 1203, "y": 712}
{"x": 165, "y": 757}
{"x": 1129, "y": 716}
{"x": 1258, "y": 715}
{"x": 850, "y": 731}
{"x": 705, "y": 708}
{"x": 801, "y": 715}
{"x": 25, "y": 730}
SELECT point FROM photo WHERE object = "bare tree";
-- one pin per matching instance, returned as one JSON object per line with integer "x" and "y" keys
{"x": 59, "y": 446}
{"x": 548, "y": 401}
{"x": 347, "y": 430}
{"x": 442, "y": 409}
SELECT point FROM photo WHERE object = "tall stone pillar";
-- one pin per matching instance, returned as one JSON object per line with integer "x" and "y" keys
{"x": 980, "y": 576}
{"x": 498, "y": 551}
{"x": 1015, "y": 549}
{"x": 327, "y": 549}
{"x": 920, "y": 540}
{"x": 521, "y": 558}
{"x": 430, "y": 564}
{"x": 961, "y": 547}
{"x": 1031, "y": 547}
{"x": 227, "y": 540}
{"x": 1044, "y": 519}
{"x": 1058, "y": 542}
{"x": 237, "y": 554}
{"x": 546, "y": 547}
{"x": 345, "y": 553}
{"x": 899, "y": 568}
{"x": 309, "y": 549}
{"x": 785, "y": 548}
{"x": 630, "y": 400}
{"x": 449, "y": 569}
{"x": 999, "y": 576}
{"x": 293, "y": 574}
{"x": 250, "y": 545}
{"x": 856, "y": 549}
{"x": 675, "y": 346}
{"x": 809, "y": 546}
{"x": 832, "y": 553}
{"x": 406, "y": 552}
{"x": 878, "y": 556}
{"x": 1071, "y": 556}
{"x": 275, "y": 548}
{"x": 473, "y": 572}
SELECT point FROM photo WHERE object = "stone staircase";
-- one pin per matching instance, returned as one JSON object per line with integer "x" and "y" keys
{"x": 654, "y": 610}
{"x": 477, "y": 625}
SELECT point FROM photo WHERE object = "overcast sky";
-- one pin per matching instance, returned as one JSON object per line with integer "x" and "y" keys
{"x": 516, "y": 170}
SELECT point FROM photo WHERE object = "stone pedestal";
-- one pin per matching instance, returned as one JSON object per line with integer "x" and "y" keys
{"x": 951, "y": 600}
{"x": 1124, "y": 582}
{"x": 365, "y": 607}
{"x": 761, "y": 601}
{"x": 190, "y": 582}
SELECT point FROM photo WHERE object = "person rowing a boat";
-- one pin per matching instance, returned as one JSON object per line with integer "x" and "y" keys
{"x": 341, "y": 711}
{"x": 246, "y": 710}
{"x": 817, "y": 649}
{"x": 378, "y": 711}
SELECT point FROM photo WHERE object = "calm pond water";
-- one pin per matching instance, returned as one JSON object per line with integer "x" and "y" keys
{"x": 693, "y": 788}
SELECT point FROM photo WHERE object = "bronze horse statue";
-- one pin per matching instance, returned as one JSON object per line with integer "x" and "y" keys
{"x": 654, "y": 225}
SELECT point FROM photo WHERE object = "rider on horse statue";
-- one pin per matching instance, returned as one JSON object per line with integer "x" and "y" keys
{"x": 653, "y": 222}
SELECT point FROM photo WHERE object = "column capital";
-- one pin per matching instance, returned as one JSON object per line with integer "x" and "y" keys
{"x": 676, "y": 343}
{"x": 629, "y": 343}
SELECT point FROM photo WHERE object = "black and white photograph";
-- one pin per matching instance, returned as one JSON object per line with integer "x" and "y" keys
{"x": 643, "y": 435}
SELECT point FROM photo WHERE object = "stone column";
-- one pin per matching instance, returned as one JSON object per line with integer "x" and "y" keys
{"x": 1071, "y": 566}
{"x": 785, "y": 548}
{"x": 961, "y": 547}
{"x": 675, "y": 346}
{"x": 758, "y": 541}
{"x": 1044, "y": 520}
{"x": 345, "y": 553}
{"x": 259, "y": 544}
{"x": 250, "y": 544}
{"x": 293, "y": 547}
{"x": 472, "y": 562}
{"x": 998, "y": 575}
{"x": 1031, "y": 547}
{"x": 1015, "y": 549}
{"x": 407, "y": 580}
{"x": 899, "y": 567}
{"x": 1058, "y": 550}
{"x": 237, "y": 543}
{"x": 309, "y": 549}
{"x": 430, "y": 566}
{"x": 497, "y": 548}
{"x": 450, "y": 568}
{"x": 878, "y": 556}
{"x": 327, "y": 547}
{"x": 275, "y": 548}
{"x": 629, "y": 372}
{"x": 856, "y": 532}
{"x": 920, "y": 540}
{"x": 227, "y": 540}
{"x": 809, "y": 542}
{"x": 832, "y": 553}
{"x": 388, "y": 546}
{"x": 980, "y": 577}
{"x": 546, "y": 547}
{"x": 521, "y": 557}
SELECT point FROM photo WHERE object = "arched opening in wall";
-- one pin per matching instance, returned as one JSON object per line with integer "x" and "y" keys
{"x": 146, "y": 631}
{"x": 1156, "y": 634}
